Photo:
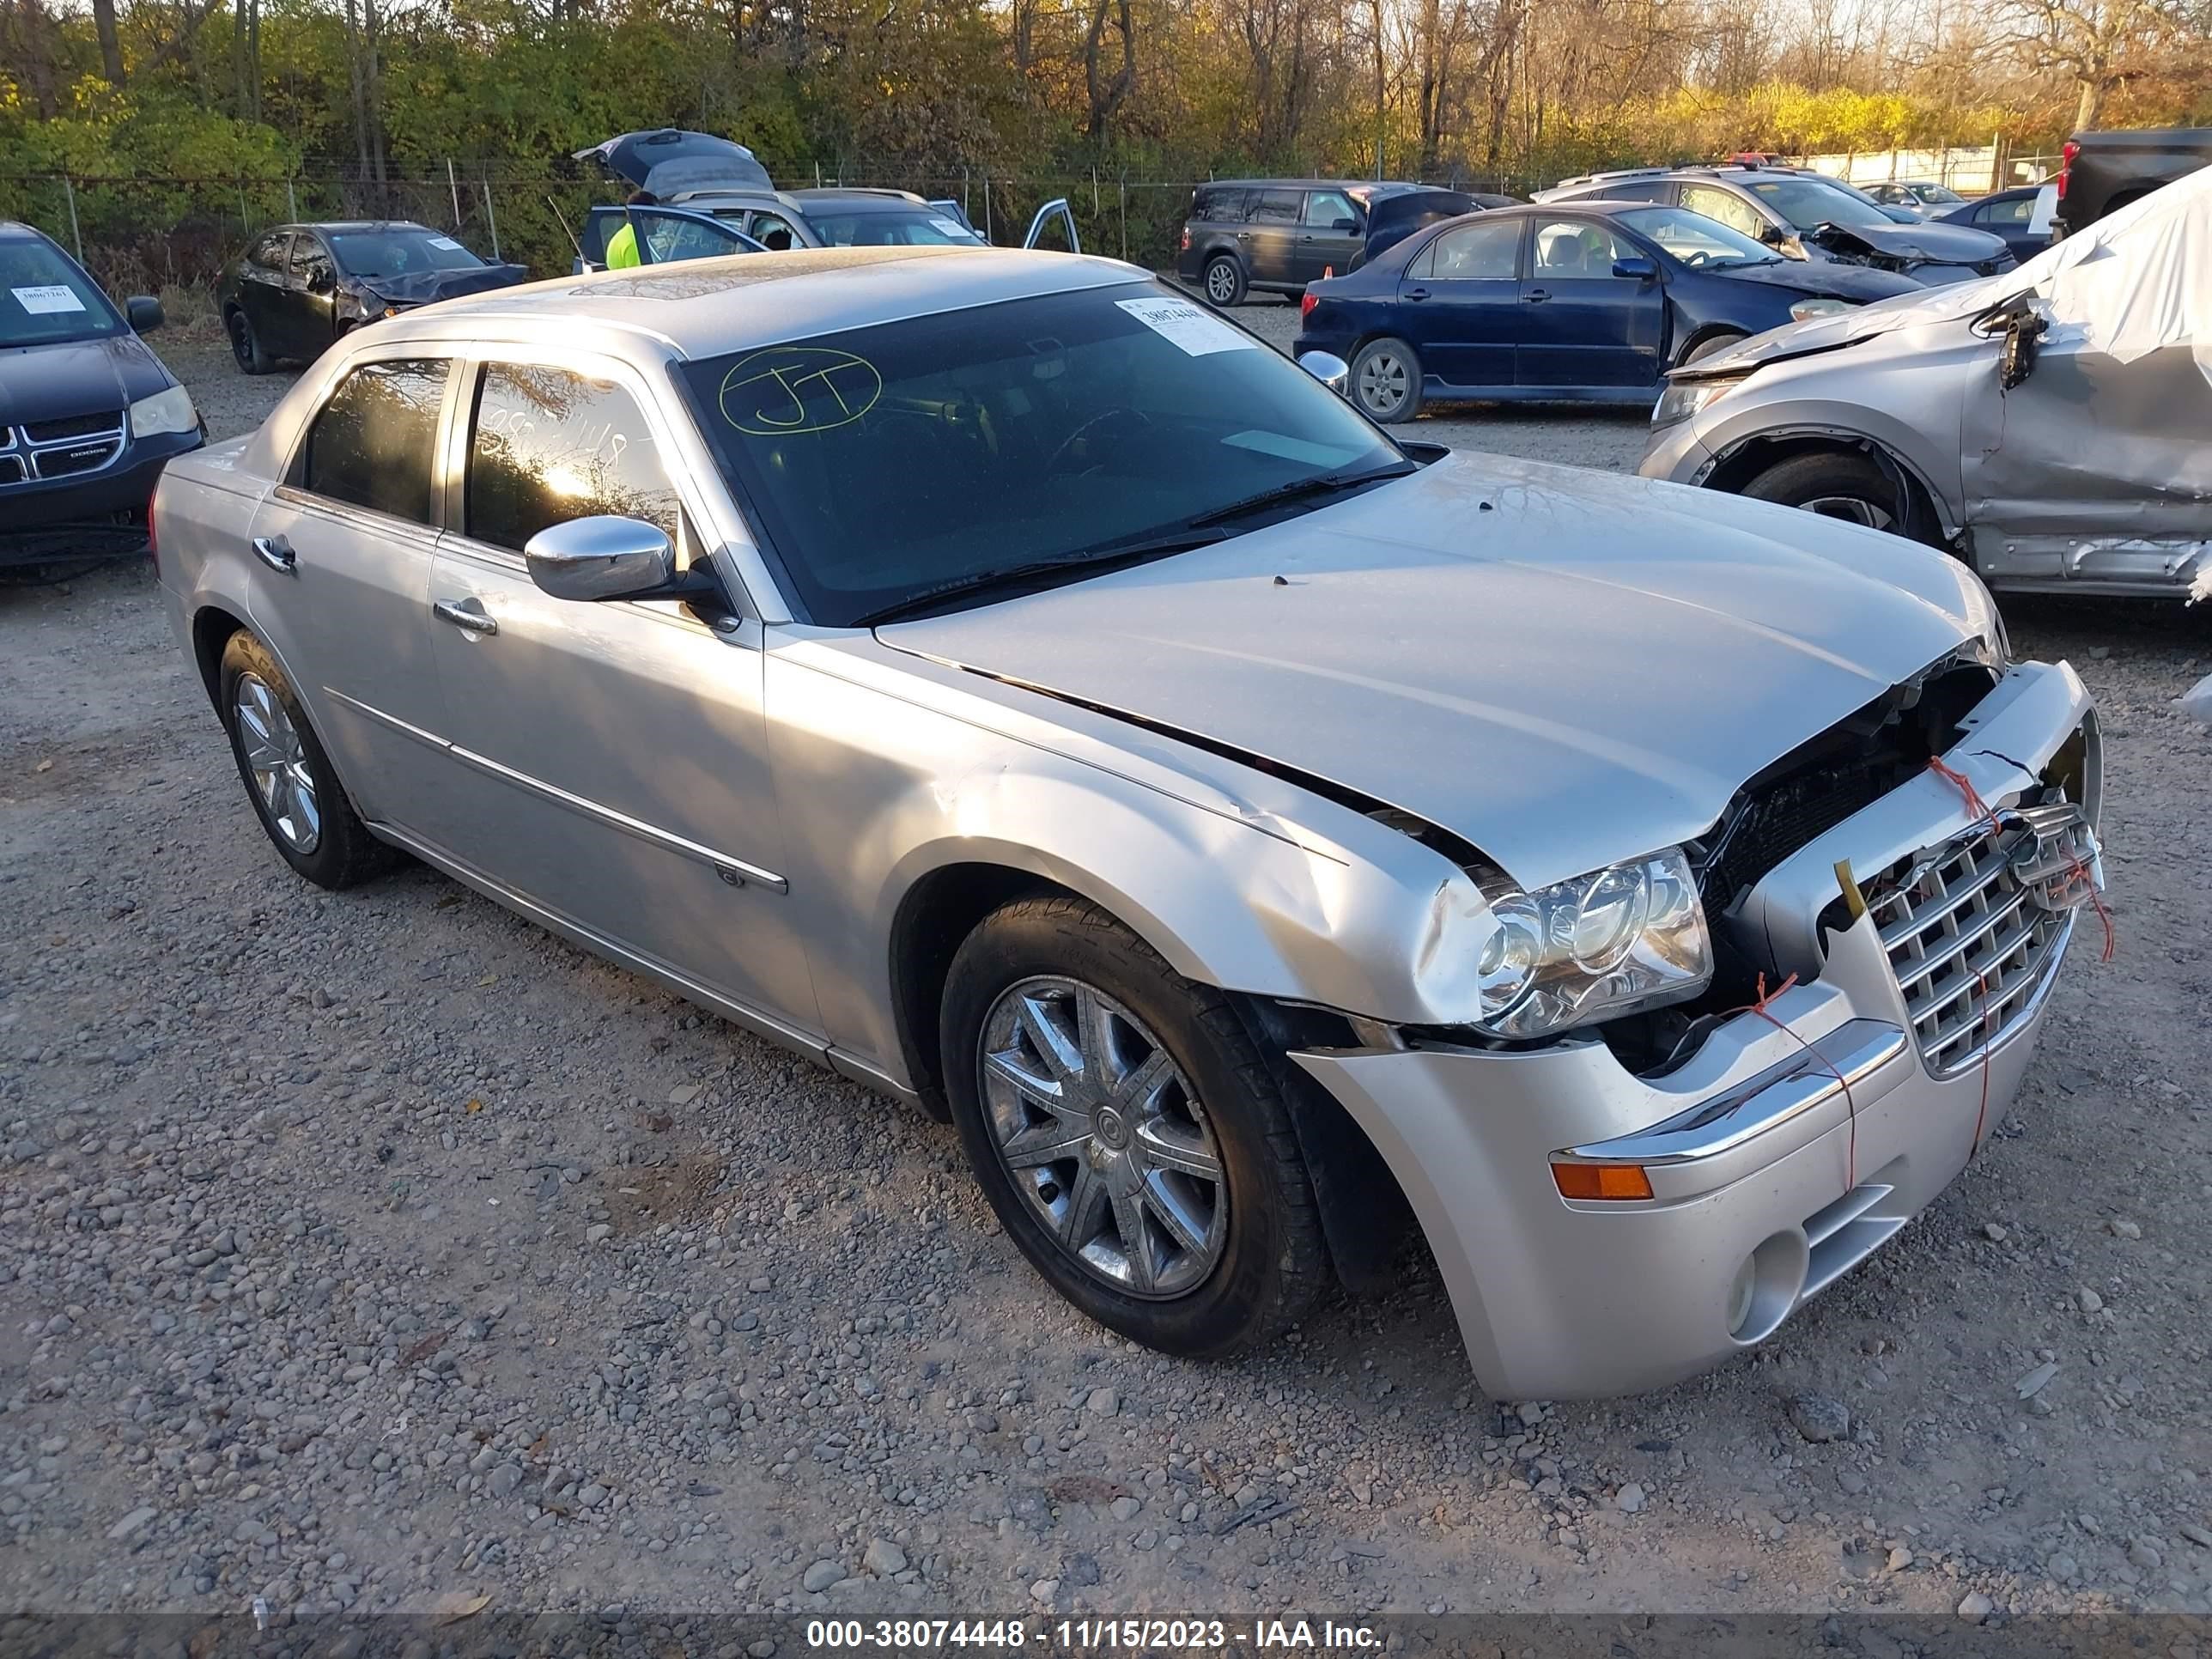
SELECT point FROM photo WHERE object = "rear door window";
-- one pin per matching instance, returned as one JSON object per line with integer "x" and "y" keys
{"x": 269, "y": 252}
{"x": 1275, "y": 207}
{"x": 1324, "y": 208}
{"x": 1726, "y": 206}
{"x": 1219, "y": 203}
{"x": 548, "y": 445}
{"x": 1474, "y": 251}
{"x": 371, "y": 445}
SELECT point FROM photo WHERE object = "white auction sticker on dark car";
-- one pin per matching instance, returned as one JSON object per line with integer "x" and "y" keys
{"x": 1186, "y": 325}
{"x": 48, "y": 298}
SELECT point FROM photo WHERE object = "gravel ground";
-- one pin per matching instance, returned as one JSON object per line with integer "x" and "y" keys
{"x": 360, "y": 1251}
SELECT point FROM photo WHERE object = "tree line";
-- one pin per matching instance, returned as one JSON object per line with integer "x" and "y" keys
{"x": 1492, "y": 93}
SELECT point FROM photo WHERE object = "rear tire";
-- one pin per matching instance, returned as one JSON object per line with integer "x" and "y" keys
{"x": 1851, "y": 488}
{"x": 1224, "y": 281}
{"x": 288, "y": 776}
{"x": 1094, "y": 1089}
{"x": 245, "y": 344}
{"x": 1386, "y": 381}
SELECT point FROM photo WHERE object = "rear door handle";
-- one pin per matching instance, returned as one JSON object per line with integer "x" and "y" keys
{"x": 466, "y": 614}
{"x": 1417, "y": 294}
{"x": 277, "y": 553}
{"x": 1536, "y": 296}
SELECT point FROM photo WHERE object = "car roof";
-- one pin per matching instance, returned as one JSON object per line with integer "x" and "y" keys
{"x": 15, "y": 230}
{"x": 854, "y": 196}
{"x": 1313, "y": 183}
{"x": 786, "y": 296}
{"x": 350, "y": 226}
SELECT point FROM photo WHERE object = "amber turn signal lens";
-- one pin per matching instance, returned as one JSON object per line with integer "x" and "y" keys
{"x": 1602, "y": 1181}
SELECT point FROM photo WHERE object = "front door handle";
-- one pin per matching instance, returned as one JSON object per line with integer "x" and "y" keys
{"x": 466, "y": 614}
{"x": 1417, "y": 294}
{"x": 1536, "y": 296}
{"x": 277, "y": 553}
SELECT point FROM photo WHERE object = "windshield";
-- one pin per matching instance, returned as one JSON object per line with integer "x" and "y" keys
{"x": 887, "y": 461}
{"x": 1805, "y": 203}
{"x": 399, "y": 252}
{"x": 44, "y": 297}
{"x": 1700, "y": 243}
{"x": 1935, "y": 193}
{"x": 898, "y": 227}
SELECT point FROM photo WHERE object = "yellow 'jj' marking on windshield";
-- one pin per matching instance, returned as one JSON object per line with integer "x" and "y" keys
{"x": 788, "y": 390}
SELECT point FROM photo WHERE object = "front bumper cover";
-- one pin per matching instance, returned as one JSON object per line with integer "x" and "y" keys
{"x": 1756, "y": 1152}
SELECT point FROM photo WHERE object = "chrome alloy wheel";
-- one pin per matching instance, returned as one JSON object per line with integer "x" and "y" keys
{"x": 1852, "y": 509}
{"x": 1384, "y": 383}
{"x": 1221, "y": 282}
{"x": 1103, "y": 1138}
{"x": 278, "y": 763}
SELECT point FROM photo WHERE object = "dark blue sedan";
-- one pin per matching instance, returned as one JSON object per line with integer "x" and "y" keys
{"x": 1587, "y": 302}
{"x": 2015, "y": 214}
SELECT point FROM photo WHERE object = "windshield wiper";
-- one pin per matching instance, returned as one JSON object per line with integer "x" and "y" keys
{"x": 1091, "y": 562}
{"x": 1322, "y": 483}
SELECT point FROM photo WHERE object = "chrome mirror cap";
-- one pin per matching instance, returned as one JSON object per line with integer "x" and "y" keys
{"x": 1330, "y": 370}
{"x": 600, "y": 558}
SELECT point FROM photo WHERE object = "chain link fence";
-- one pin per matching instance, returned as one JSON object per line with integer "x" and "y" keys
{"x": 145, "y": 234}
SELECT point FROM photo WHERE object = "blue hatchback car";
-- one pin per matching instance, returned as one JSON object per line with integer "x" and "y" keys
{"x": 1581, "y": 303}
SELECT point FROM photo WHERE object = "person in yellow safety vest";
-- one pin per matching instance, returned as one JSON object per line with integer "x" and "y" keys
{"x": 622, "y": 246}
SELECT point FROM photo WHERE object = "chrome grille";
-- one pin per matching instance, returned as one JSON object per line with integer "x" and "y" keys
{"x": 60, "y": 449}
{"x": 1970, "y": 941}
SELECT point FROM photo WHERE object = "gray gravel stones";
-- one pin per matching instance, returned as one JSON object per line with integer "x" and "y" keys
{"x": 820, "y": 1576}
{"x": 1818, "y": 1418}
{"x": 883, "y": 1558}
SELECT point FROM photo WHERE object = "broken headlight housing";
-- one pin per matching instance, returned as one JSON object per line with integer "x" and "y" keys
{"x": 1805, "y": 310}
{"x": 1683, "y": 399}
{"x": 1628, "y": 936}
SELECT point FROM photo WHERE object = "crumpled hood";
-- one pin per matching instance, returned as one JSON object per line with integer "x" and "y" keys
{"x": 1828, "y": 278}
{"x": 1954, "y": 303}
{"x": 1564, "y": 668}
{"x": 421, "y": 288}
{"x": 61, "y": 380}
{"x": 1942, "y": 245}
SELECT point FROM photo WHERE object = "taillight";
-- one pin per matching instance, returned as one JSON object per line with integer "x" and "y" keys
{"x": 1185, "y": 239}
{"x": 1307, "y": 303}
{"x": 2067, "y": 152}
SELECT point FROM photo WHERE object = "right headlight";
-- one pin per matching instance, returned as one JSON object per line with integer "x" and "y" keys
{"x": 1683, "y": 399}
{"x": 1629, "y": 936}
{"x": 1805, "y": 310}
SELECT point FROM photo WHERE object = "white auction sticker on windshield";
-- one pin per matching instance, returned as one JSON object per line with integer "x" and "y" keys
{"x": 445, "y": 242}
{"x": 1188, "y": 327}
{"x": 51, "y": 297}
{"x": 953, "y": 227}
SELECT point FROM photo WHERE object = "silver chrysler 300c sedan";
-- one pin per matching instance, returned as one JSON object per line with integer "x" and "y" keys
{"x": 1010, "y": 685}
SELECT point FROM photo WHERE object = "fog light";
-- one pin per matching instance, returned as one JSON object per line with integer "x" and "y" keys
{"x": 1603, "y": 1180}
{"x": 1740, "y": 1294}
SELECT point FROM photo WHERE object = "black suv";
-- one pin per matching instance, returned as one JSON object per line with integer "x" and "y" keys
{"x": 1806, "y": 215}
{"x": 88, "y": 416}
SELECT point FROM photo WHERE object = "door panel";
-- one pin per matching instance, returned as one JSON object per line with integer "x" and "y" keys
{"x": 666, "y": 238}
{"x": 261, "y": 285}
{"x": 306, "y": 326}
{"x": 2132, "y": 508}
{"x": 614, "y": 756}
{"x": 351, "y": 621}
{"x": 1459, "y": 304}
{"x": 1270, "y": 237}
{"x": 1581, "y": 324}
{"x": 1322, "y": 246}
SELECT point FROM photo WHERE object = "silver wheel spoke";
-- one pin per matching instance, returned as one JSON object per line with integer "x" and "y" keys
{"x": 1044, "y": 1092}
{"x": 1061, "y": 1051}
{"x": 1086, "y": 1206}
{"x": 1136, "y": 1241}
{"x": 1046, "y": 1143}
{"x": 1134, "y": 1092}
{"x": 1185, "y": 1227}
{"x": 276, "y": 760}
{"x": 1167, "y": 1148}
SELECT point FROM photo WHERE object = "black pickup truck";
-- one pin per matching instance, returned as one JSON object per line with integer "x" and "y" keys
{"x": 2103, "y": 171}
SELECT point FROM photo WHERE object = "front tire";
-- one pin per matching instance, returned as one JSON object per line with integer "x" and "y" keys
{"x": 1127, "y": 1134}
{"x": 1851, "y": 488}
{"x": 1386, "y": 381}
{"x": 1224, "y": 281}
{"x": 1712, "y": 343}
{"x": 288, "y": 777}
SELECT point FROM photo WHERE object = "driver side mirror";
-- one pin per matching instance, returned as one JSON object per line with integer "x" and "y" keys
{"x": 1329, "y": 369}
{"x": 604, "y": 558}
{"x": 143, "y": 312}
{"x": 1637, "y": 267}
{"x": 1773, "y": 235}
{"x": 321, "y": 280}
{"x": 1345, "y": 226}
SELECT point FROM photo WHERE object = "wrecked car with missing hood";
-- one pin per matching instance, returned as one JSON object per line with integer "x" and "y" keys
{"x": 1006, "y": 682}
{"x": 2049, "y": 424}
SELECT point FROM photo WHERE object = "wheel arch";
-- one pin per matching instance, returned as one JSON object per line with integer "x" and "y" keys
{"x": 1927, "y": 520}
{"x": 212, "y": 627}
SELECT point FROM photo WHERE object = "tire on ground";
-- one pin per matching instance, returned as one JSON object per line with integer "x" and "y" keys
{"x": 1831, "y": 475}
{"x": 1386, "y": 381}
{"x": 245, "y": 343}
{"x": 345, "y": 854}
{"x": 1224, "y": 280}
{"x": 1273, "y": 1262}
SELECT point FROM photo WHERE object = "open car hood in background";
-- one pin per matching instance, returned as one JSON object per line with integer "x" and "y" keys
{"x": 1392, "y": 218}
{"x": 421, "y": 288}
{"x": 670, "y": 161}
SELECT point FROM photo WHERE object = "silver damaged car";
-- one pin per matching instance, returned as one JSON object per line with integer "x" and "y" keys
{"x": 1013, "y": 686}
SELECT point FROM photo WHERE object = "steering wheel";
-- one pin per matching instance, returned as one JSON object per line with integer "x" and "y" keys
{"x": 1119, "y": 416}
